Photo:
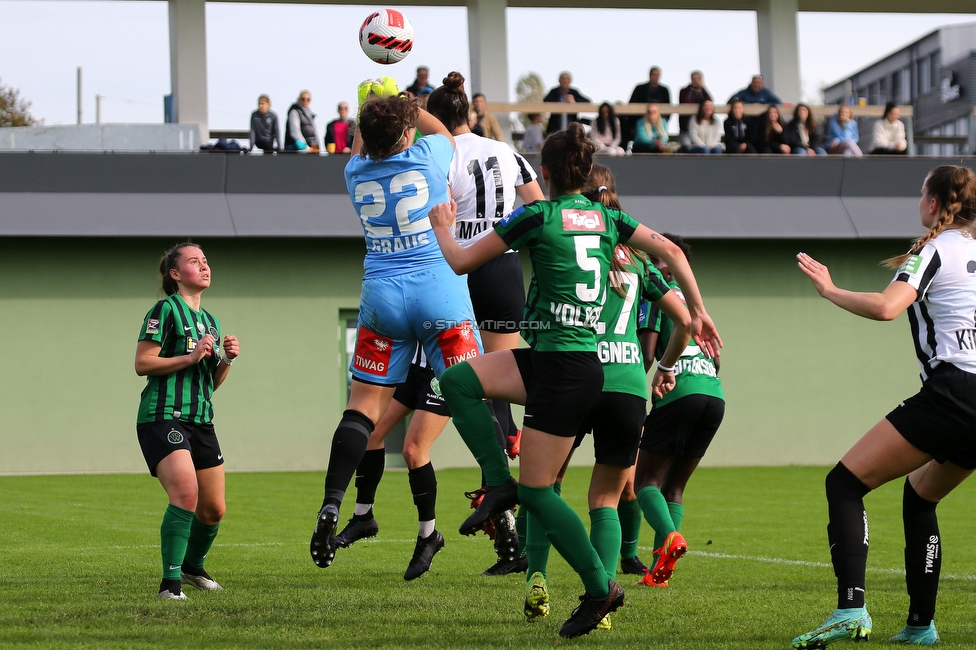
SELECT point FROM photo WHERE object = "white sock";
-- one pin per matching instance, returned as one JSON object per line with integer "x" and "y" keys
{"x": 426, "y": 528}
{"x": 363, "y": 508}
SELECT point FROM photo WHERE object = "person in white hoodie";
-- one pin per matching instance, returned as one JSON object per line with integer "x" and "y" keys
{"x": 889, "y": 132}
{"x": 704, "y": 131}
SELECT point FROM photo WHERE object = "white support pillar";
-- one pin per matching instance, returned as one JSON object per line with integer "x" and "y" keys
{"x": 188, "y": 62}
{"x": 779, "y": 49}
{"x": 488, "y": 44}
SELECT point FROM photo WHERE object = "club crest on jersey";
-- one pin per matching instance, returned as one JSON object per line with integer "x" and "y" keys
{"x": 372, "y": 352}
{"x": 152, "y": 326}
{"x": 201, "y": 328}
{"x": 583, "y": 220}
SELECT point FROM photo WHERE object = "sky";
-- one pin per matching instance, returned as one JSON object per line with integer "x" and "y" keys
{"x": 123, "y": 50}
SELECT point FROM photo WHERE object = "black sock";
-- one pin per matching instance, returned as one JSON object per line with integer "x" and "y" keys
{"x": 923, "y": 555}
{"x": 423, "y": 485}
{"x": 847, "y": 533}
{"x": 348, "y": 447}
{"x": 368, "y": 475}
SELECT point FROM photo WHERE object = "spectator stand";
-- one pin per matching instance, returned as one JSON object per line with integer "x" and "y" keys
{"x": 822, "y": 113}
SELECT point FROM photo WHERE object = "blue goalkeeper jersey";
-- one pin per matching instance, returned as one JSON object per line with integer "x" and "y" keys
{"x": 392, "y": 197}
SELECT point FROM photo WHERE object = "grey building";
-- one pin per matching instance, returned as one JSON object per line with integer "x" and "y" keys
{"x": 936, "y": 75}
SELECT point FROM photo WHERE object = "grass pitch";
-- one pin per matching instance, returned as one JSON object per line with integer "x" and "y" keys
{"x": 80, "y": 567}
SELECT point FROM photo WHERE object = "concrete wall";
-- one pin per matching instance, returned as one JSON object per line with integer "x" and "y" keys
{"x": 102, "y": 137}
{"x": 803, "y": 379}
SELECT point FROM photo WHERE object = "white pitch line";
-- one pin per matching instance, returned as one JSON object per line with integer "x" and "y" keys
{"x": 777, "y": 560}
{"x": 705, "y": 554}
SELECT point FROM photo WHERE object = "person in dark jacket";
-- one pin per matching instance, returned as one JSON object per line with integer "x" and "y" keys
{"x": 773, "y": 137}
{"x": 300, "y": 128}
{"x": 652, "y": 92}
{"x": 264, "y": 127}
{"x": 564, "y": 93}
{"x": 804, "y": 133}
{"x": 738, "y": 138}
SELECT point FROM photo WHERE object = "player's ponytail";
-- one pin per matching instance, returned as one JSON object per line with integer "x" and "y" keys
{"x": 449, "y": 103}
{"x": 568, "y": 156}
{"x": 170, "y": 259}
{"x": 602, "y": 188}
{"x": 954, "y": 188}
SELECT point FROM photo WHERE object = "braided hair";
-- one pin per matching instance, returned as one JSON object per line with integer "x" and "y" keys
{"x": 954, "y": 188}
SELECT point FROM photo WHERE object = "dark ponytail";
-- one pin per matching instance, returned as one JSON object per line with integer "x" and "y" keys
{"x": 169, "y": 261}
{"x": 449, "y": 103}
{"x": 568, "y": 155}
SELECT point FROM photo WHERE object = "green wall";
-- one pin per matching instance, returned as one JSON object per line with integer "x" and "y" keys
{"x": 803, "y": 379}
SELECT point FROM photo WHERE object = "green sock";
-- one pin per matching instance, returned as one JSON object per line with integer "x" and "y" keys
{"x": 536, "y": 545}
{"x": 566, "y": 532}
{"x": 173, "y": 536}
{"x": 655, "y": 509}
{"x": 520, "y": 525}
{"x": 557, "y": 487}
{"x": 201, "y": 539}
{"x": 677, "y": 514}
{"x": 631, "y": 519}
{"x": 605, "y": 537}
{"x": 465, "y": 397}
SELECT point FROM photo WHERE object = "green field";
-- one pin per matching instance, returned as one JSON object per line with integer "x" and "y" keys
{"x": 80, "y": 567}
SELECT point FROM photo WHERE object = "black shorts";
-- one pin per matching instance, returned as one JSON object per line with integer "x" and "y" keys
{"x": 941, "y": 418}
{"x": 685, "y": 427}
{"x": 560, "y": 387}
{"x": 421, "y": 392}
{"x": 160, "y": 439}
{"x": 616, "y": 421}
{"x": 497, "y": 291}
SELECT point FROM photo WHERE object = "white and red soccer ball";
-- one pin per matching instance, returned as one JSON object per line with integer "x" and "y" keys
{"x": 386, "y": 36}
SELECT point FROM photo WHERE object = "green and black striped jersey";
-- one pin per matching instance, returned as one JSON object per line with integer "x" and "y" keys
{"x": 183, "y": 395}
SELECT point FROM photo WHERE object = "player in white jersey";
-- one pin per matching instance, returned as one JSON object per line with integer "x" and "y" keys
{"x": 486, "y": 177}
{"x": 931, "y": 436}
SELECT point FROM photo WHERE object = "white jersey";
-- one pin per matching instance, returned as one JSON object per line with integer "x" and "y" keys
{"x": 943, "y": 316}
{"x": 483, "y": 178}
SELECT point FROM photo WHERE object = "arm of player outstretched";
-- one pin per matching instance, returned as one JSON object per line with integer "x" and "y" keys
{"x": 703, "y": 330}
{"x": 886, "y": 305}
{"x": 462, "y": 260}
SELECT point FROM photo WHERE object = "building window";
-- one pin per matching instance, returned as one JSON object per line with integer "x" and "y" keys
{"x": 922, "y": 70}
{"x": 904, "y": 86}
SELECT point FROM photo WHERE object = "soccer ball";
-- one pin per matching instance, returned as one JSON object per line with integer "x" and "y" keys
{"x": 386, "y": 36}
